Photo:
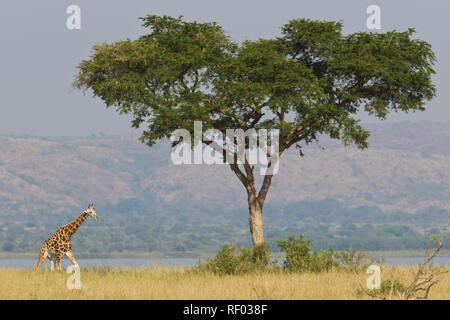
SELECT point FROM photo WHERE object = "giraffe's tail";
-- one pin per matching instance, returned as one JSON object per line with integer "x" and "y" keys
{"x": 42, "y": 255}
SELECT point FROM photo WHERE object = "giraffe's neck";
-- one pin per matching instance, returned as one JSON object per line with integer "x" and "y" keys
{"x": 72, "y": 227}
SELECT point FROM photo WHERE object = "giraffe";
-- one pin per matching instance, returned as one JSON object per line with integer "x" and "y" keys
{"x": 59, "y": 243}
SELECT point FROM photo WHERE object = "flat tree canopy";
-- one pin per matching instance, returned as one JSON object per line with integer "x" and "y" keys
{"x": 310, "y": 81}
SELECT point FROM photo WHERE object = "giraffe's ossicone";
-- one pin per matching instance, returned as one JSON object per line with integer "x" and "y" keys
{"x": 59, "y": 244}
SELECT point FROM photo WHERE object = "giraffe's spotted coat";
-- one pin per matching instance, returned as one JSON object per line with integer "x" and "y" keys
{"x": 59, "y": 243}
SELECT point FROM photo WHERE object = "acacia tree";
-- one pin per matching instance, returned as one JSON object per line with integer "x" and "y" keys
{"x": 309, "y": 82}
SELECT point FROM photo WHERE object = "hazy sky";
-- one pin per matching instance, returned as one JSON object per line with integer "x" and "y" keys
{"x": 39, "y": 54}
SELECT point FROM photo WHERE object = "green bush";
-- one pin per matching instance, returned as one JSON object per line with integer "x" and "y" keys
{"x": 387, "y": 285}
{"x": 388, "y": 289}
{"x": 261, "y": 254}
{"x": 232, "y": 260}
{"x": 297, "y": 253}
{"x": 299, "y": 257}
{"x": 323, "y": 260}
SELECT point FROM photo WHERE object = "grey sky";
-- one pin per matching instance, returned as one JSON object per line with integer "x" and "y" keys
{"x": 39, "y": 54}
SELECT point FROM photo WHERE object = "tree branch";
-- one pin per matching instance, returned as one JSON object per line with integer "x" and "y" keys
{"x": 239, "y": 174}
{"x": 234, "y": 167}
{"x": 254, "y": 114}
{"x": 264, "y": 189}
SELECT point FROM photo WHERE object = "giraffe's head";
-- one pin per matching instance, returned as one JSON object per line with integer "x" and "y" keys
{"x": 91, "y": 212}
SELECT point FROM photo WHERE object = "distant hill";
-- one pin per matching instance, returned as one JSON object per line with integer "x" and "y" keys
{"x": 142, "y": 197}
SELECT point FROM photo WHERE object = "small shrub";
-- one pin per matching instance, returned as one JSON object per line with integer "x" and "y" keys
{"x": 388, "y": 285}
{"x": 261, "y": 254}
{"x": 323, "y": 260}
{"x": 355, "y": 261}
{"x": 225, "y": 262}
{"x": 299, "y": 258}
{"x": 388, "y": 290}
{"x": 232, "y": 260}
{"x": 297, "y": 253}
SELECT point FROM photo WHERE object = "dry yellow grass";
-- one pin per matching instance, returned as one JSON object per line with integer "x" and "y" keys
{"x": 179, "y": 283}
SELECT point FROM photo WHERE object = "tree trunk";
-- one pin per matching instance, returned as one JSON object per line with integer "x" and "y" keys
{"x": 256, "y": 222}
{"x": 255, "y": 201}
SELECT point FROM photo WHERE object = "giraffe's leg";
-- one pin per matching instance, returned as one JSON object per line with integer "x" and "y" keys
{"x": 52, "y": 258}
{"x": 69, "y": 254}
{"x": 59, "y": 257}
{"x": 42, "y": 255}
{"x": 52, "y": 263}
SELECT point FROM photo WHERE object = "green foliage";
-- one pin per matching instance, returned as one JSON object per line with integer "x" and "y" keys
{"x": 297, "y": 253}
{"x": 261, "y": 253}
{"x": 387, "y": 285}
{"x": 226, "y": 260}
{"x": 232, "y": 260}
{"x": 387, "y": 290}
{"x": 163, "y": 76}
{"x": 323, "y": 260}
{"x": 299, "y": 258}
{"x": 184, "y": 71}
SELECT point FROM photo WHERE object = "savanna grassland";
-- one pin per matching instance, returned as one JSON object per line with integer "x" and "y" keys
{"x": 182, "y": 283}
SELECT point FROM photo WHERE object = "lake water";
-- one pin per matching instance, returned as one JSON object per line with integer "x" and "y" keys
{"x": 122, "y": 262}
{"x": 177, "y": 262}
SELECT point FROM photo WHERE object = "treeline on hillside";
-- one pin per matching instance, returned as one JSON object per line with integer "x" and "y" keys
{"x": 136, "y": 226}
